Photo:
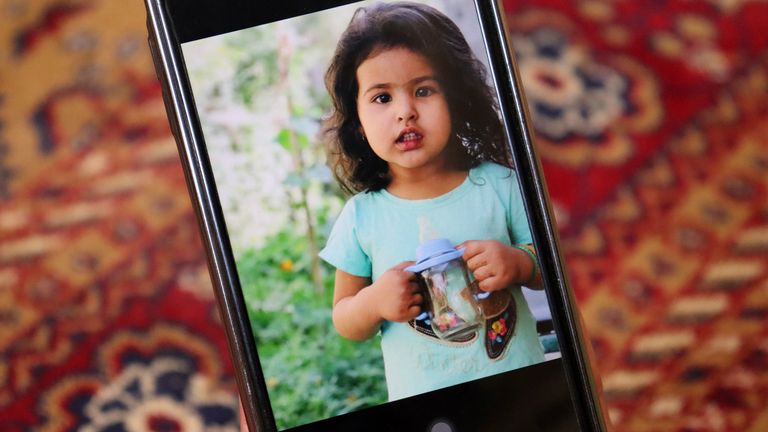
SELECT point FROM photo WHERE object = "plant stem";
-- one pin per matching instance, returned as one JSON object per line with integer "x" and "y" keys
{"x": 298, "y": 158}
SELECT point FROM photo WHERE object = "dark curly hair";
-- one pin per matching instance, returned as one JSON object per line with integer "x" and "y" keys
{"x": 477, "y": 133}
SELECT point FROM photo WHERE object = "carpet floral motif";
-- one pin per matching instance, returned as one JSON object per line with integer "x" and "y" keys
{"x": 584, "y": 112}
{"x": 166, "y": 394}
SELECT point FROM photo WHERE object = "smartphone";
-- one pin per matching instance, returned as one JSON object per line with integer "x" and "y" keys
{"x": 244, "y": 84}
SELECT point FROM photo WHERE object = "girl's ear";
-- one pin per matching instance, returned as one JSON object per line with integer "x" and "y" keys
{"x": 361, "y": 132}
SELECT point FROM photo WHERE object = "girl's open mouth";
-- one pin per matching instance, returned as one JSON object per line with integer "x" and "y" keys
{"x": 409, "y": 140}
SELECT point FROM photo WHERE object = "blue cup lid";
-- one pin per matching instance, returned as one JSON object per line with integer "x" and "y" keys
{"x": 433, "y": 253}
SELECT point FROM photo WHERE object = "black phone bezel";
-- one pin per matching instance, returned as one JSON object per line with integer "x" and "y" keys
{"x": 172, "y": 22}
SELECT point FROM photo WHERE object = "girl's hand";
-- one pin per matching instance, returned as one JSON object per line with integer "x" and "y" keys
{"x": 359, "y": 307}
{"x": 395, "y": 295}
{"x": 496, "y": 265}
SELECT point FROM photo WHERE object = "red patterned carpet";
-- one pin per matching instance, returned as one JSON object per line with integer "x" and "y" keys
{"x": 653, "y": 129}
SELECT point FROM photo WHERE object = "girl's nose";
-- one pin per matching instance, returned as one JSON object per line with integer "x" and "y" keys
{"x": 407, "y": 110}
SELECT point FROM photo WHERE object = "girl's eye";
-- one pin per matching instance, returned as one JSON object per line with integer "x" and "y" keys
{"x": 382, "y": 98}
{"x": 425, "y": 91}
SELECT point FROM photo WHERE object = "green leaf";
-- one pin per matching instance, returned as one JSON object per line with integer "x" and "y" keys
{"x": 305, "y": 125}
{"x": 319, "y": 172}
{"x": 293, "y": 179}
{"x": 284, "y": 139}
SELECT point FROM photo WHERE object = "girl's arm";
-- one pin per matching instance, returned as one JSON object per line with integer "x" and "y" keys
{"x": 497, "y": 266}
{"x": 360, "y": 307}
{"x": 352, "y": 318}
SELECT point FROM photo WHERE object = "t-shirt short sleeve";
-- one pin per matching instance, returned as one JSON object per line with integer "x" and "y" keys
{"x": 343, "y": 249}
{"x": 517, "y": 217}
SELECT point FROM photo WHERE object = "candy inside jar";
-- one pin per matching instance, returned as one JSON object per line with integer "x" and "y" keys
{"x": 452, "y": 306}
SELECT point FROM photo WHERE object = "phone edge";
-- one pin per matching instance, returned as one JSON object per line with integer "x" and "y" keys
{"x": 177, "y": 96}
{"x": 513, "y": 106}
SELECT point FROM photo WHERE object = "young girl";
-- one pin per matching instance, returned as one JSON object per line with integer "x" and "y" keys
{"x": 414, "y": 133}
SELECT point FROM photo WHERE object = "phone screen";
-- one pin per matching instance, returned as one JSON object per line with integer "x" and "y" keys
{"x": 295, "y": 217}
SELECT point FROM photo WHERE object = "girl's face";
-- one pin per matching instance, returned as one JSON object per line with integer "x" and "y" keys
{"x": 402, "y": 110}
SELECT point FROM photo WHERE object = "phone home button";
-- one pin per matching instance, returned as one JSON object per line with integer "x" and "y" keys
{"x": 441, "y": 425}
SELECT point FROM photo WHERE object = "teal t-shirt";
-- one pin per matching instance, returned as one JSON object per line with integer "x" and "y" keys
{"x": 377, "y": 230}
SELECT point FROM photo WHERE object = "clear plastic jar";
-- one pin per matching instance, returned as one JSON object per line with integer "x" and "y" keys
{"x": 452, "y": 303}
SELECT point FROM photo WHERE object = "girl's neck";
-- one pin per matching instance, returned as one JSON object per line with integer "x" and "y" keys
{"x": 425, "y": 184}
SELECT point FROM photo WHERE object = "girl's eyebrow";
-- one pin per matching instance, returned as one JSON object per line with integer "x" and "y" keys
{"x": 384, "y": 86}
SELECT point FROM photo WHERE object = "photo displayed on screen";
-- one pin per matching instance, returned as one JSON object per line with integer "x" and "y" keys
{"x": 369, "y": 194}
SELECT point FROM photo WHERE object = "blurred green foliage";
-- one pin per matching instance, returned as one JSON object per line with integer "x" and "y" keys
{"x": 311, "y": 371}
{"x": 262, "y": 98}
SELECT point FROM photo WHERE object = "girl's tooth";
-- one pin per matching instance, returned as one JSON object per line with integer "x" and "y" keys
{"x": 409, "y": 136}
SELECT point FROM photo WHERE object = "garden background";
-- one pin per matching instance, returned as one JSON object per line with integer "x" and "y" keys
{"x": 262, "y": 101}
